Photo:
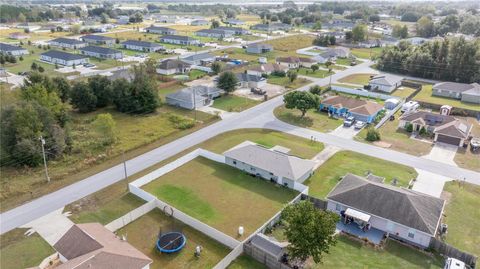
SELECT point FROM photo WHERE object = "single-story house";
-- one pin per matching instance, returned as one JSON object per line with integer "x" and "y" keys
{"x": 101, "y": 52}
{"x": 361, "y": 110}
{"x": 246, "y": 80}
{"x": 258, "y": 48}
{"x": 461, "y": 91}
{"x": 234, "y": 22}
{"x": 446, "y": 128}
{"x": 193, "y": 97}
{"x": 8, "y": 49}
{"x": 63, "y": 58}
{"x": 199, "y": 22}
{"x": 68, "y": 43}
{"x": 31, "y": 27}
{"x": 142, "y": 46}
{"x": 18, "y": 35}
{"x": 295, "y": 62}
{"x": 166, "y": 19}
{"x": 273, "y": 164}
{"x": 234, "y": 30}
{"x": 199, "y": 59}
{"x": 214, "y": 33}
{"x": 400, "y": 213}
{"x": 417, "y": 40}
{"x": 173, "y": 66}
{"x": 339, "y": 24}
{"x": 98, "y": 39}
{"x": 337, "y": 34}
{"x": 272, "y": 27}
{"x": 370, "y": 43}
{"x": 123, "y": 19}
{"x": 179, "y": 40}
{"x": 160, "y": 30}
{"x": 91, "y": 245}
{"x": 385, "y": 82}
{"x": 266, "y": 69}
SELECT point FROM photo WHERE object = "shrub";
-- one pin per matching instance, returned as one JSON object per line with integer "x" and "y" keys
{"x": 409, "y": 127}
{"x": 181, "y": 122}
{"x": 372, "y": 135}
{"x": 279, "y": 73}
{"x": 423, "y": 131}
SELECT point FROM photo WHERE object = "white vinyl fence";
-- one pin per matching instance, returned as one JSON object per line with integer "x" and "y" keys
{"x": 131, "y": 216}
{"x": 362, "y": 93}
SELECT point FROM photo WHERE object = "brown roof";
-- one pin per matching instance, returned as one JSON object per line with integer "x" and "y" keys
{"x": 289, "y": 59}
{"x": 369, "y": 108}
{"x": 457, "y": 128}
{"x": 443, "y": 124}
{"x": 76, "y": 242}
{"x": 268, "y": 68}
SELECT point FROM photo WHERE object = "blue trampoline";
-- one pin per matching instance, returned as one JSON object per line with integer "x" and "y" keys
{"x": 171, "y": 242}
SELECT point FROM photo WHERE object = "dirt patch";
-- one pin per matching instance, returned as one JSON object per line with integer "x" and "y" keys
{"x": 447, "y": 196}
{"x": 382, "y": 144}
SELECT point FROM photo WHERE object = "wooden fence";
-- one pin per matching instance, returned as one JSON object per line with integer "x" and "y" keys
{"x": 318, "y": 203}
{"x": 263, "y": 257}
{"x": 452, "y": 252}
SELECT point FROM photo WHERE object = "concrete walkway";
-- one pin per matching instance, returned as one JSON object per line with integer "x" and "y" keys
{"x": 50, "y": 227}
{"x": 324, "y": 155}
{"x": 215, "y": 111}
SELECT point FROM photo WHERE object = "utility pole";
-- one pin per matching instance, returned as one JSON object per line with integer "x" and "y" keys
{"x": 42, "y": 142}
{"x": 125, "y": 168}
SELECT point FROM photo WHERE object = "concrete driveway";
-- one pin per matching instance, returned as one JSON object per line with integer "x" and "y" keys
{"x": 15, "y": 80}
{"x": 345, "y": 132}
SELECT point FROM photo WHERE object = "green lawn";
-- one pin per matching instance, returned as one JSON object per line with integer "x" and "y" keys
{"x": 143, "y": 232}
{"x": 285, "y": 81}
{"x": 462, "y": 214}
{"x": 18, "y": 251}
{"x": 313, "y": 119}
{"x": 236, "y": 195}
{"x": 196, "y": 74}
{"x": 343, "y": 162}
{"x": 246, "y": 262}
{"x": 360, "y": 79}
{"x": 465, "y": 157}
{"x": 365, "y": 53}
{"x": 317, "y": 74}
{"x": 21, "y": 66}
{"x": 403, "y": 92}
{"x": 291, "y": 43}
{"x": 347, "y": 61}
{"x": 233, "y": 103}
{"x": 164, "y": 90}
{"x": 425, "y": 95}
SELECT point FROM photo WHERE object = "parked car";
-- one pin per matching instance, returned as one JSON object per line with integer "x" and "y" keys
{"x": 349, "y": 121}
{"x": 452, "y": 263}
{"x": 88, "y": 65}
{"x": 359, "y": 125}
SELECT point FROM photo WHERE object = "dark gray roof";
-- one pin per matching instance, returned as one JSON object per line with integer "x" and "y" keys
{"x": 76, "y": 242}
{"x": 236, "y": 29}
{"x": 262, "y": 242}
{"x": 70, "y": 41}
{"x": 200, "y": 56}
{"x": 211, "y": 31}
{"x": 454, "y": 86}
{"x": 249, "y": 77}
{"x": 260, "y": 45}
{"x": 64, "y": 55}
{"x": 97, "y": 37}
{"x": 101, "y": 50}
{"x": 178, "y": 37}
{"x": 159, "y": 28}
{"x": 407, "y": 207}
{"x": 141, "y": 43}
{"x": 172, "y": 63}
{"x": 8, "y": 47}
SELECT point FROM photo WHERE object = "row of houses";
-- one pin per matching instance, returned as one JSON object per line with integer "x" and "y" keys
{"x": 222, "y": 32}
{"x": 7, "y": 49}
{"x": 272, "y": 27}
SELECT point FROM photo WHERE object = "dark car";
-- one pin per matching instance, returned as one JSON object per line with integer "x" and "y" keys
{"x": 349, "y": 121}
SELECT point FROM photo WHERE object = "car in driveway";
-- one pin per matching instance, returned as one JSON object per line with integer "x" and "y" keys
{"x": 359, "y": 125}
{"x": 88, "y": 65}
{"x": 349, "y": 121}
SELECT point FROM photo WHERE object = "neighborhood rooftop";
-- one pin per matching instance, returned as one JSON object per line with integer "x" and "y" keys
{"x": 69, "y": 41}
{"x": 141, "y": 43}
{"x": 178, "y": 37}
{"x": 172, "y": 63}
{"x": 64, "y": 55}
{"x": 358, "y": 106}
{"x": 8, "y": 47}
{"x": 457, "y": 87}
{"x": 97, "y": 37}
{"x": 100, "y": 50}
{"x": 444, "y": 124}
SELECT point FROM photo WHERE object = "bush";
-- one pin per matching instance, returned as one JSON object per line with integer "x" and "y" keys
{"x": 423, "y": 131}
{"x": 317, "y": 90}
{"x": 181, "y": 122}
{"x": 278, "y": 73}
{"x": 409, "y": 127}
{"x": 372, "y": 135}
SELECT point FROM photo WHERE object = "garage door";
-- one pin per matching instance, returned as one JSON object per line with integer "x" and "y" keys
{"x": 448, "y": 140}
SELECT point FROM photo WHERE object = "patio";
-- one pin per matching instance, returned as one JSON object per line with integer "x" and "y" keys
{"x": 373, "y": 235}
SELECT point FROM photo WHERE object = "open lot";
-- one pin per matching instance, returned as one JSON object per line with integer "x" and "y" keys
{"x": 343, "y": 162}
{"x": 18, "y": 251}
{"x": 314, "y": 119}
{"x": 221, "y": 196}
{"x": 425, "y": 95}
{"x": 317, "y": 74}
{"x": 462, "y": 215}
{"x": 143, "y": 234}
{"x": 360, "y": 79}
{"x": 366, "y": 53}
{"x": 285, "y": 81}
{"x": 291, "y": 43}
{"x": 233, "y": 103}
{"x": 465, "y": 157}
{"x": 347, "y": 61}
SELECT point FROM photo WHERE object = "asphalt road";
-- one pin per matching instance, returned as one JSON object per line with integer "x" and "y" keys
{"x": 260, "y": 116}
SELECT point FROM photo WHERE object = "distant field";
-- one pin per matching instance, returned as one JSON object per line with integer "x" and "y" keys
{"x": 366, "y": 53}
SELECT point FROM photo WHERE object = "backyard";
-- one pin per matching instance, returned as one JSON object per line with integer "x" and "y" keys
{"x": 314, "y": 119}
{"x": 343, "y": 162}
{"x": 425, "y": 95}
{"x": 233, "y": 103}
{"x": 143, "y": 232}
{"x": 360, "y": 79}
{"x": 403, "y": 92}
{"x": 239, "y": 199}
{"x": 246, "y": 262}
{"x": 285, "y": 81}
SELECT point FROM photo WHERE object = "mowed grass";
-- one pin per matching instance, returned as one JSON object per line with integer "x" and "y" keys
{"x": 246, "y": 262}
{"x": 465, "y": 157}
{"x": 462, "y": 214}
{"x": 425, "y": 95}
{"x": 28, "y": 60}
{"x": 18, "y": 251}
{"x": 343, "y": 162}
{"x": 365, "y": 53}
{"x": 360, "y": 79}
{"x": 220, "y": 195}
{"x": 291, "y": 43}
{"x": 143, "y": 234}
{"x": 285, "y": 81}
{"x": 313, "y": 119}
{"x": 317, "y": 74}
{"x": 233, "y": 103}
{"x": 403, "y": 92}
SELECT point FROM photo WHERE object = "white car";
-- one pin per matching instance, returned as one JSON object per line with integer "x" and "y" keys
{"x": 359, "y": 125}
{"x": 452, "y": 263}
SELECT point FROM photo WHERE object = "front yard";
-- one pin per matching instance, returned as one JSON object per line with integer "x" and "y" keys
{"x": 285, "y": 81}
{"x": 314, "y": 119}
{"x": 360, "y": 79}
{"x": 425, "y": 95}
{"x": 233, "y": 103}
{"x": 403, "y": 92}
{"x": 343, "y": 162}
{"x": 465, "y": 157}
{"x": 317, "y": 74}
{"x": 291, "y": 43}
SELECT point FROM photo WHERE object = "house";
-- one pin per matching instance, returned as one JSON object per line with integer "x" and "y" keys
{"x": 461, "y": 91}
{"x": 370, "y": 43}
{"x": 273, "y": 164}
{"x": 142, "y": 46}
{"x": 339, "y": 35}
{"x": 68, "y": 43}
{"x": 193, "y": 97}
{"x": 385, "y": 82}
{"x": 160, "y": 30}
{"x": 167, "y": 19}
{"x": 417, "y": 40}
{"x": 361, "y": 110}
{"x": 101, "y": 52}
{"x": 258, "y": 48}
{"x": 63, "y": 58}
{"x": 98, "y": 39}
{"x": 445, "y": 128}
{"x": 199, "y": 59}
{"x": 339, "y": 24}
{"x": 266, "y": 69}
{"x": 234, "y": 22}
{"x": 8, "y": 49}
{"x": 295, "y": 62}
{"x": 179, "y": 40}
{"x": 91, "y": 245}
{"x": 123, "y": 19}
{"x": 246, "y": 80}
{"x": 199, "y": 22}
{"x": 18, "y": 36}
{"x": 172, "y": 66}
{"x": 272, "y": 27}
{"x": 234, "y": 30}
{"x": 214, "y": 33}
{"x": 399, "y": 213}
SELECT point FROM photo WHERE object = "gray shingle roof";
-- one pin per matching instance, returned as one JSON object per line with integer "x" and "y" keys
{"x": 172, "y": 63}
{"x": 200, "y": 56}
{"x": 64, "y": 55}
{"x": 144, "y": 44}
{"x": 386, "y": 79}
{"x": 249, "y": 77}
{"x": 177, "y": 37}
{"x": 159, "y": 28}
{"x": 75, "y": 243}
{"x": 455, "y": 87}
{"x": 70, "y": 41}
{"x": 260, "y": 241}
{"x": 410, "y": 208}
{"x": 8, "y": 47}
{"x": 97, "y": 37}
{"x": 101, "y": 50}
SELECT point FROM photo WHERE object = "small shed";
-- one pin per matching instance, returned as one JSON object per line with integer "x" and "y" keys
{"x": 391, "y": 103}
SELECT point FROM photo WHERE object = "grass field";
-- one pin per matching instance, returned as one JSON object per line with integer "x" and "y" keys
{"x": 465, "y": 157}
{"x": 360, "y": 79}
{"x": 343, "y": 162}
{"x": 365, "y": 53}
{"x": 285, "y": 81}
{"x": 403, "y": 92}
{"x": 291, "y": 43}
{"x": 317, "y": 74}
{"x": 32, "y": 57}
{"x": 461, "y": 215}
{"x": 233, "y": 103}
{"x": 18, "y": 251}
{"x": 347, "y": 61}
{"x": 425, "y": 95}
{"x": 143, "y": 232}
{"x": 313, "y": 119}
{"x": 246, "y": 262}
{"x": 236, "y": 195}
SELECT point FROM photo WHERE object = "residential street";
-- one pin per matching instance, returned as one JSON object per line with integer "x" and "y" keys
{"x": 260, "y": 116}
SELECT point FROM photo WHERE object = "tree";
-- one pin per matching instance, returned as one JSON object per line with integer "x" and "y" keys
{"x": 348, "y": 35}
{"x": 63, "y": 88}
{"x": 104, "y": 18}
{"x": 41, "y": 69}
{"x": 227, "y": 81}
{"x": 317, "y": 90}
{"x": 20, "y": 58}
{"x": 449, "y": 24}
{"x": 400, "y": 31}
{"x": 75, "y": 29}
{"x": 101, "y": 88}
{"x": 359, "y": 32}
{"x": 83, "y": 98}
{"x": 409, "y": 127}
{"x": 215, "y": 24}
{"x": 425, "y": 27}
{"x": 216, "y": 68}
{"x": 317, "y": 26}
{"x": 105, "y": 126}
{"x": 372, "y": 134}
{"x": 314, "y": 67}
{"x": 45, "y": 96}
{"x": 300, "y": 100}
{"x": 309, "y": 231}
{"x": 292, "y": 75}
{"x": 374, "y": 18}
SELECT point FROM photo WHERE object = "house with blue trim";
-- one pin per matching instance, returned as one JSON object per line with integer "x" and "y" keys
{"x": 344, "y": 106}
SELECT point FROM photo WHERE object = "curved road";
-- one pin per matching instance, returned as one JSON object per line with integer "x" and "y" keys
{"x": 260, "y": 116}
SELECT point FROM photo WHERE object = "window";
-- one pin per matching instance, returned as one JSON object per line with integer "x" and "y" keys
{"x": 253, "y": 169}
{"x": 338, "y": 207}
{"x": 411, "y": 234}
{"x": 234, "y": 162}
